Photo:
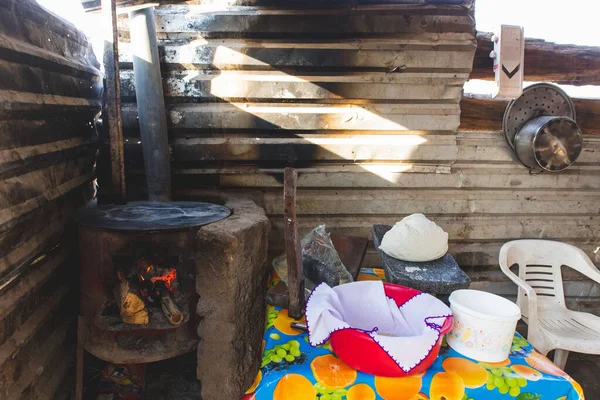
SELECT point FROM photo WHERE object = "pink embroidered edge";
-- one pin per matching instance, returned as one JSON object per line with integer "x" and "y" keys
{"x": 375, "y": 329}
{"x": 435, "y": 327}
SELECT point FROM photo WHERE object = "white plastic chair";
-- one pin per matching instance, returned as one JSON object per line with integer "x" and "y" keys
{"x": 541, "y": 297}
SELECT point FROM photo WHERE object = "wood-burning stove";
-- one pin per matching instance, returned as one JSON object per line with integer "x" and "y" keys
{"x": 125, "y": 246}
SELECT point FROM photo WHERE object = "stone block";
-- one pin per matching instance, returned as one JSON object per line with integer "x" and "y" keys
{"x": 441, "y": 276}
{"x": 231, "y": 277}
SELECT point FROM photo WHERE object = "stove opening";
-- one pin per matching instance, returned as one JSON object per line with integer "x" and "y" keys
{"x": 147, "y": 292}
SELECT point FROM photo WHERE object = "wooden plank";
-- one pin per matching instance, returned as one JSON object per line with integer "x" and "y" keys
{"x": 422, "y": 57}
{"x": 112, "y": 100}
{"x": 56, "y": 383}
{"x": 461, "y": 228}
{"x": 436, "y": 202}
{"x": 30, "y": 54}
{"x": 486, "y": 252}
{"x": 492, "y": 273}
{"x": 32, "y": 79}
{"x": 82, "y": 155}
{"x": 289, "y": 116}
{"x": 479, "y": 113}
{"x": 544, "y": 61}
{"x": 315, "y": 148}
{"x": 46, "y": 237}
{"x": 422, "y": 42}
{"x": 31, "y": 11}
{"x": 32, "y": 134}
{"x": 20, "y": 300}
{"x": 239, "y": 87}
{"x": 29, "y": 205}
{"x": 28, "y": 22}
{"x": 41, "y": 230}
{"x": 58, "y": 210}
{"x": 474, "y": 255}
{"x": 49, "y": 89}
{"x": 23, "y": 153}
{"x": 468, "y": 256}
{"x": 588, "y": 115}
{"x": 43, "y": 362}
{"x": 390, "y": 175}
{"x": 587, "y": 289}
{"x": 52, "y": 191}
{"x": 331, "y": 23}
{"x": 20, "y": 99}
{"x": 490, "y": 147}
{"x": 94, "y": 5}
{"x": 27, "y": 333}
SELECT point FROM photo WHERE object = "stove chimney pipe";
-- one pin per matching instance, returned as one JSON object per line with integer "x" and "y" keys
{"x": 151, "y": 104}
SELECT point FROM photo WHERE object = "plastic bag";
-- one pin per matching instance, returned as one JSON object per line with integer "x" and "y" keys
{"x": 320, "y": 261}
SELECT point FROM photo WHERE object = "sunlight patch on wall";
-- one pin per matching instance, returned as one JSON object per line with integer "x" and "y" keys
{"x": 334, "y": 122}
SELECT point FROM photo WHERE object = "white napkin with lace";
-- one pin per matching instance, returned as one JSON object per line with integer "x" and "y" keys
{"x": 407, "y": 333}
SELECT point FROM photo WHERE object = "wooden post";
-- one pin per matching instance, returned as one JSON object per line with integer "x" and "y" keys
{"x": 80, "y": 354}
{"x": 112, "y": 99}
{"x": 292, "y": 245}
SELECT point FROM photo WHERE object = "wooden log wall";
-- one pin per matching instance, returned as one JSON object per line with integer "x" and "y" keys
{"x": 364, "y": 102}
{"x": 49, "y": 95}
{"x": 544, "y": 61}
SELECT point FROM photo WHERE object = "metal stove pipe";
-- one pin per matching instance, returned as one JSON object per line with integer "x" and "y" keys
{"x": 151, "y": 104}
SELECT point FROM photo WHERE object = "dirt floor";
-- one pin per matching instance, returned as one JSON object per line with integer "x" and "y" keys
{"x": 584, "y": 368}
{"x": 173, "y": 379}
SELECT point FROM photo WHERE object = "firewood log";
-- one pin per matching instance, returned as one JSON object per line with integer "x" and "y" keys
{"x": 131, "y": 306}
{"x": 172, "y": 312}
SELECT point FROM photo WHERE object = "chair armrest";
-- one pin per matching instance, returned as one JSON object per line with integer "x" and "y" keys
{"x": 585, "y": 266}
{"x": 532, "y": 309}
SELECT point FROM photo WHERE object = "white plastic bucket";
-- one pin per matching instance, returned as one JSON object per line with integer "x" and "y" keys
{"x": 484, "y": 325}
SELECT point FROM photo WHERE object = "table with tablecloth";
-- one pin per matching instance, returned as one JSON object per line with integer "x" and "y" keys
{"x": 291, "y": 369}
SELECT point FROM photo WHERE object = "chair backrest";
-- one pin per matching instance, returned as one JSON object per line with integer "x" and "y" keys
{"x": 540, "y": 263}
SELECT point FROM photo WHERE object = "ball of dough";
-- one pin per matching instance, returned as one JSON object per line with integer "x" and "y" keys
{"x": 415, "y": 238}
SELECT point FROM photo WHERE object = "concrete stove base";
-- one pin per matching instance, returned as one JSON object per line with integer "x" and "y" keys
{"x": 231, "y": 274}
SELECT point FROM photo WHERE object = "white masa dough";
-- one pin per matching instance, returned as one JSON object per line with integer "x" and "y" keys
{"x": 415, "y": 238}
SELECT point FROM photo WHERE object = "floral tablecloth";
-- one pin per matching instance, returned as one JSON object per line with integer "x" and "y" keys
{"x": 291, "y": 369}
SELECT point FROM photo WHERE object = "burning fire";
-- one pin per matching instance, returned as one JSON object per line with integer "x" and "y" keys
{"x": 168, "y": 277}
{"x": 156, "y": 283}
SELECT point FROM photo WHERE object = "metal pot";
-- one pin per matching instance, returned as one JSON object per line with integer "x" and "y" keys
{"x": 548, "y": 143}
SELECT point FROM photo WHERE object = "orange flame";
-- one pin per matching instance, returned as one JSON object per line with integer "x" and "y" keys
{"x": 167, "y": 278}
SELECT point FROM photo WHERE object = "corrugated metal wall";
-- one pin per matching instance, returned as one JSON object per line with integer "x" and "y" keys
{"x": 363, "y": 100}
{"x": 49, "y": 91}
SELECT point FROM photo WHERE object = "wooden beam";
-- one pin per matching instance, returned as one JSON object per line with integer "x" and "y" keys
{"x": 544, "y": 61}
{"x": 113, "y": 99}
{"x": 292, "y": 245}
{"x": 480, "y": 113}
